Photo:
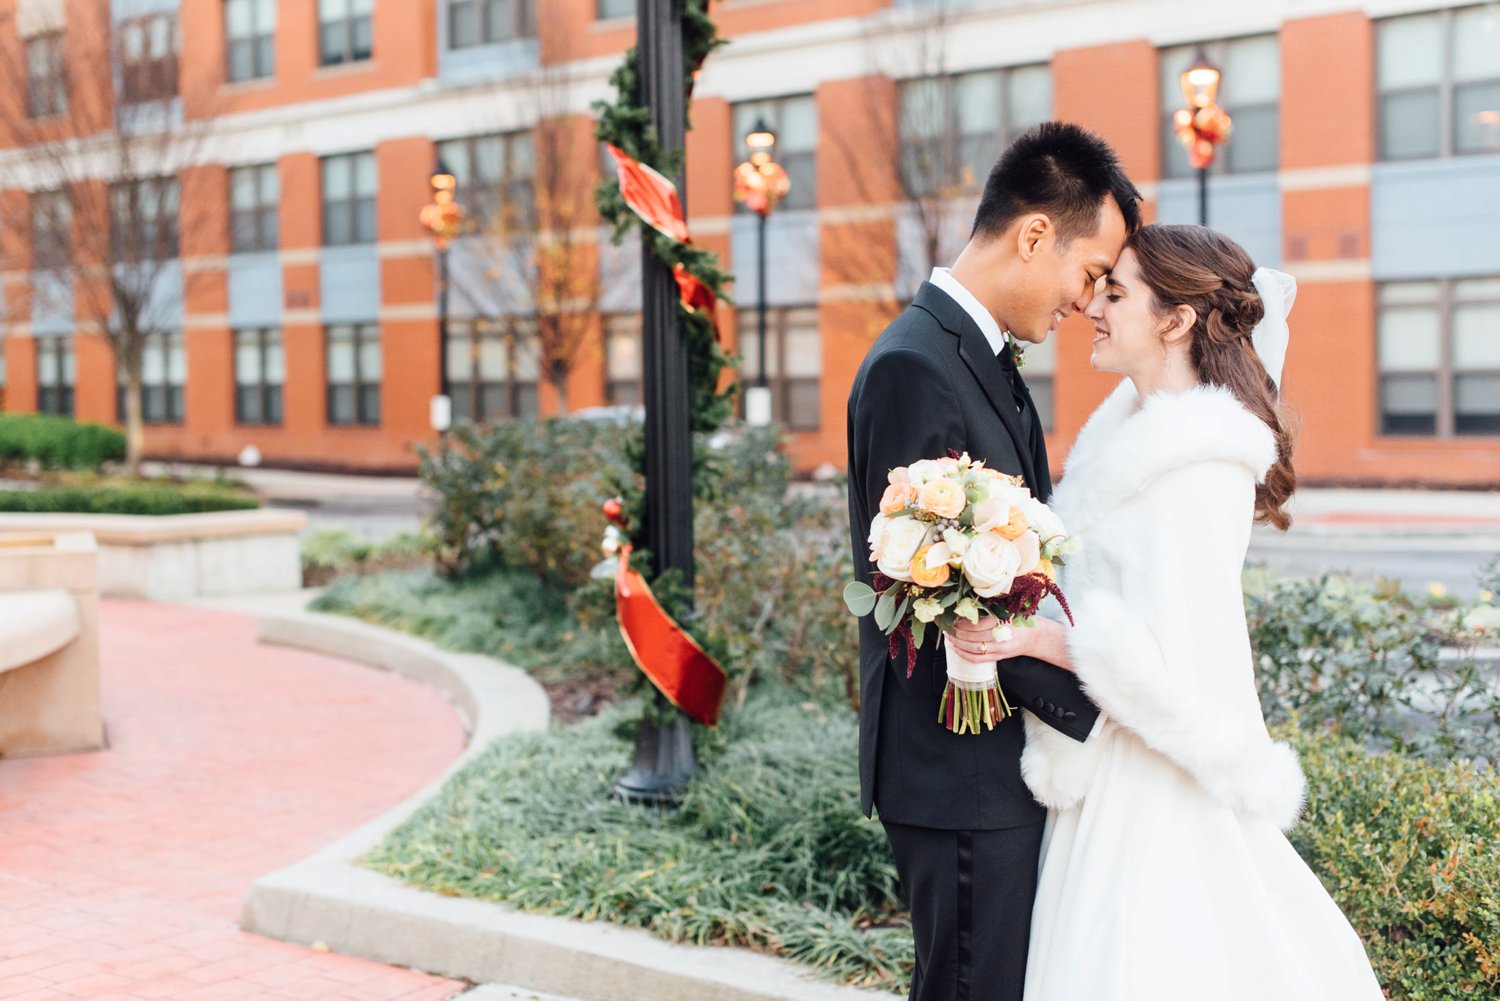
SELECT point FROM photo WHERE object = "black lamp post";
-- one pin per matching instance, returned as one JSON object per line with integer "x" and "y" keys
{"x": 759, "y": 183}
{"x": 1202, "y": 125}
{"x": 442, "y": 217}
{"x": 664, "y": 760}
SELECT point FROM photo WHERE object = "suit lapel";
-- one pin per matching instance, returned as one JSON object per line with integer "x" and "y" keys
{"x": 983, "y": 365}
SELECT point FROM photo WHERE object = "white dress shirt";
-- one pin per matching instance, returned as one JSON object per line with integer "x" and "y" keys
{"x": 997, "y": 338}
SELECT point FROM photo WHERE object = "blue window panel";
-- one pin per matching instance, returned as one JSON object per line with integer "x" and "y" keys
{"x": 485, "y": 63}
{"x": 619, "y": 273}
{"x": 122, "y": 10}
{"x": 792, "y": 259}
{"x": 349, "y": 284}
{"x": 255, "y": 291}
{"x": 52, "y": 302}
{"x": 1435, "y": 218}
{"x": 1247, "y": 209}
{"x": 163, "y": 308}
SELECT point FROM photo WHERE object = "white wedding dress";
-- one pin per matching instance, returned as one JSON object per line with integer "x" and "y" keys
{"x": 1165, "y": 874}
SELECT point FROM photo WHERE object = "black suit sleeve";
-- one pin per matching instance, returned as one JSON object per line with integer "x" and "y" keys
{"x": 905, "y": 412}
{"x": 1052, "y": 694}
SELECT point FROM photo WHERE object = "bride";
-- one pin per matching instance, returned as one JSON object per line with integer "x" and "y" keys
{"x": 1164, "y": 871}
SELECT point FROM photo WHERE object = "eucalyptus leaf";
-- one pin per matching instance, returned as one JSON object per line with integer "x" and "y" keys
{"x": 885, "y": 609}
{"x": 859, "y": 597}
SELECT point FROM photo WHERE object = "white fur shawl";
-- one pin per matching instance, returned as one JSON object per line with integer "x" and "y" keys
{"x": 1162, "y": 498}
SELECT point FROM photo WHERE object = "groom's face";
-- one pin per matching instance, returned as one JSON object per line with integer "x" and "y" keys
{"x": 1061, "y": 279}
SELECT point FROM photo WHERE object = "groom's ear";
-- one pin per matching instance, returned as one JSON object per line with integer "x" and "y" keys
{"x": 1031, "y": 234}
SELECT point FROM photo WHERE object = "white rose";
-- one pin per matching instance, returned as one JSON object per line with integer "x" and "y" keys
{"x": 903, "y": 537}
{"x": 923, "y": 471}
{"x": 991, "y": 564}
{"x": 1043, "y": 520}
{"x": 957, "y": 543}
{"x": 991, "y": 513}
{"x": 877, "y": 536}
{"x": 1029, "y": 551}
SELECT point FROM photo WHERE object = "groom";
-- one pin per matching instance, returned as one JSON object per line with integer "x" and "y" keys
{"x": 963, "y": 827}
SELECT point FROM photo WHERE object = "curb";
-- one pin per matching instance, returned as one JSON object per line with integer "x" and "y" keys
{"x": 327, "y": 898}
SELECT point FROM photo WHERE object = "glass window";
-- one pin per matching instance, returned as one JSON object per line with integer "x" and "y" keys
{"x": 56, "y": 374}
{"x": 495, "y": 176}
{"x": 611, "y": 9}
{"x": 954, "y": 128}
{"x": 46, "y": 75}
{"x": 249, "y": 39}
{"x": 1438, "y": 82}
{"x": 1439, "y": 356}
{"x": 353, "y": 373}
{"x": 345, "y": 34}
{"x": 254, "y": 195}
{"x": 794, "y": 363}
{"x": 163, "y": 378}
{"x": 1249, "y": 90}
{"x": 259, "y": 374}
{"x": 795, "y": 122}
{"x": 485, "y": 22}
{"x": 51, "y": 230}
{"x": 622, "y": 360}
{"x": 143, "y": 224}
{"x": 148, "y": 58}
{"x": 349, "y": 199}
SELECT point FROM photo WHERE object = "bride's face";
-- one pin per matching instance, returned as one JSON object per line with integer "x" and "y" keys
{"x": 1127, "y": 328}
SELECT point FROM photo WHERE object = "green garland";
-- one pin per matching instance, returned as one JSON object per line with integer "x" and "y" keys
{"x": 626, "y": 123}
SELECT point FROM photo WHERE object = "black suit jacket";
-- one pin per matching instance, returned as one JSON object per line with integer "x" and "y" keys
{"x": 929, "y": 384}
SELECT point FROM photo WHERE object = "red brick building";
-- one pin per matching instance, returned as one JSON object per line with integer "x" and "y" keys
{"x": 300, "y": 313}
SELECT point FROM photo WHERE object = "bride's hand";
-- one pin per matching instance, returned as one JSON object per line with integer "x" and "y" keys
{"x": 1046, "y": 640}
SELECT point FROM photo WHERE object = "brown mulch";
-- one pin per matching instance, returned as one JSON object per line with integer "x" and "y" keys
{"x": 580, "y": 698}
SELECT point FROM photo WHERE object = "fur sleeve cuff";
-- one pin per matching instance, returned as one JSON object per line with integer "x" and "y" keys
{"x": 1122, "y": 668}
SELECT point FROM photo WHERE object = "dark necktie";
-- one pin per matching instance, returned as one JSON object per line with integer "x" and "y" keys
{"x": 1013, "y": 377}
{"x": 1031, "y": 425}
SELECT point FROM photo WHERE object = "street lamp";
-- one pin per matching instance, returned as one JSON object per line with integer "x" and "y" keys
{"x": 442, "y": 218}
{"x": 759, "y": 183}
{"x": 1202, "y": 125}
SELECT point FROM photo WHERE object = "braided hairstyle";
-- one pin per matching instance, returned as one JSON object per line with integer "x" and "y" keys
{"x": 1198, "y": 267}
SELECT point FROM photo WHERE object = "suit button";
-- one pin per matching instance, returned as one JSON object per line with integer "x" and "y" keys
{"x": 1050, "y": 708}
{"x": 1039, "y": 702}
{"x": 1070, "y": 715}
{"x": 1060, "y": 713}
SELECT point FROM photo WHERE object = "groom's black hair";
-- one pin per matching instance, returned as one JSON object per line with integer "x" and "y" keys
{"x": 1063, "y": 170}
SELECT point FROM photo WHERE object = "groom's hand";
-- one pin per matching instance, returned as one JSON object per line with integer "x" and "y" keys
{"x": 1046, "y": 640}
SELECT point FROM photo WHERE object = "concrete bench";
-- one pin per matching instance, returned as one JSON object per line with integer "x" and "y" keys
{"x": 49, "y": 644}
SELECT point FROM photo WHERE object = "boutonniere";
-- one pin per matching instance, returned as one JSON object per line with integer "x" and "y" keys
{"x": 1017, "y": 354}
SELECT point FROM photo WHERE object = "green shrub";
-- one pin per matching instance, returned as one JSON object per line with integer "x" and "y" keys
{"x": 1411, "y": 852}
{"x": 58, "y": 442}
{"x": 332, "y": 551}
{"x": 146, "y": 498}
{"x": 1381, "y": 665}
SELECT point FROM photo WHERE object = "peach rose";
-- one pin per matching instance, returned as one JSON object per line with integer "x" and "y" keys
{"x": 896, "y": 497}
{"x": 942, "y": 497}
{"x": 1015, "y": 526}
{"x": 924, "y": 575}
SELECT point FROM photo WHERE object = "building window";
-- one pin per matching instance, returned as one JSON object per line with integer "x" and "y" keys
{"x": 46, "y": 75}
{"x": 254, "y": 195}
{"x": 610, "y": 10}
{"x": 163, "y": 376}
{"x": 143, "y": 224}
{"x": 954, "y": 128}
{"x": 622, "y": 360}
{"x": 354, "y": 365}
{"x": 485, "y": 22}
{"x": 249, "y": 39}
{"x": 493, "y": 369}
{"x": 259, "y": 372}
{"x": 495, "y": 175}
{"x": 56, "y": 372}
{"x": 795, "y": 122}
{"x": 51, "y": 230}
{"x": 1440, "y": 357}
{"x": 1040, "y": 373}
{"x": 1250, "y": 92}
{"x": 344, "y": 31}
{"x": 1438, "y": 80}
{"x": 794, "y": 363}
{"x": 349, "y": 199}
{"x": 148, "y": 58}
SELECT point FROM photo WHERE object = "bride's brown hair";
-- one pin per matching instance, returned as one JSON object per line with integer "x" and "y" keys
{"x": 1195, "y": 266}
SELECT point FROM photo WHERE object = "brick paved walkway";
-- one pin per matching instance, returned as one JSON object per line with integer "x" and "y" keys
{"x": 122, "y": 872}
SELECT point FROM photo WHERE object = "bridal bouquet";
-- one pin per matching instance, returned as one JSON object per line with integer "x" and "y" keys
{"x": 956, "y": 540}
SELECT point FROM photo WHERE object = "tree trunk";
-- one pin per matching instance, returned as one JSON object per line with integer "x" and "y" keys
{"x": 560, "y": 388}
{"x": 135, "y": 426}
